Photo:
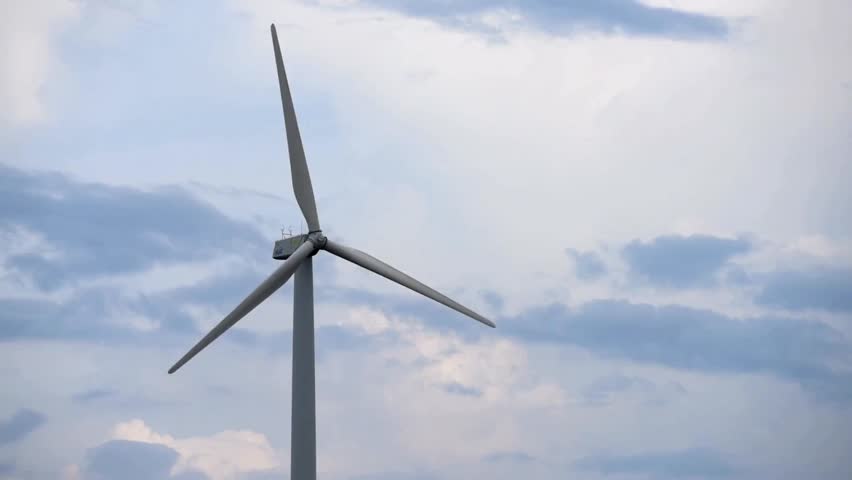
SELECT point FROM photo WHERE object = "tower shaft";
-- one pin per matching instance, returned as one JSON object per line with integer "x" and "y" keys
{"x": 303, "y": 457}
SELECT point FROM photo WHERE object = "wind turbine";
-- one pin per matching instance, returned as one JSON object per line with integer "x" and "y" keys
{"x": 296, "y": 252}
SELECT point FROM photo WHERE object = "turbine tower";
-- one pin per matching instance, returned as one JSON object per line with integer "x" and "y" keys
{"x": 296, "y": 252}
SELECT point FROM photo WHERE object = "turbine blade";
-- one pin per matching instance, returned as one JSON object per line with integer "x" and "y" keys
{"x": 377, "y": 266}
{"x": 298, "y": 165}
{"x": 278, "y": 278}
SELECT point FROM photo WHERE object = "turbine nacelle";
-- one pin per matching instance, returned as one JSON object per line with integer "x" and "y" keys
{"x": 287, "y": 246}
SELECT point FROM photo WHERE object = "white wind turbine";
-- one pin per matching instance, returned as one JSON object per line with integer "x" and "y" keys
{"x": 297, "y": 252}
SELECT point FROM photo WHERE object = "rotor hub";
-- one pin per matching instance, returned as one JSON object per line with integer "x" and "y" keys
{"x": 318, "y": 239}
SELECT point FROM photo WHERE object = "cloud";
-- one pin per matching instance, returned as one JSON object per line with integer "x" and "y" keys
{"x": 680, "y": 337}
{"x": 94, "y": 229}
{"x": 509, "y": 456}
{"x": 132, "y": 399}
{"x": 556, "y": 17}
{"x": 93, "y": 314}
{"x": 602, "y": 390}
{"x": 134, "y": 461}
{"x": 676, "y": 336}
{"x": 27, "y": 60}
{"x": 219, "y": 456}
{"x": 93, "y": 395}
{"x": 587, "y": 265}
{"x": 404, "y": 303}
{"x": 695, "y": 339}
{"x": 459, "y": 389}
{"x": 696, "y": 462}
{"x": 397, "y": 475}
{"x": 265, "y": 475}
{"x": 106, "y": 233}
{"x": 92, "y": 232}
{"x": 828, "y": 289}
{"x": 7, "y": 468}
{"x": 493, "y": 299}
{"x": 19, "y": 425}
{"x": 681, "y": 262}
{"x": 101, "y": 314}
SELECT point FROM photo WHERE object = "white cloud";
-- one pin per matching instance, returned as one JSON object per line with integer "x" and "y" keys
{"x": 221, "y": 456}
{"x": 28, "y": 59}
{"x": 543, "y": 142}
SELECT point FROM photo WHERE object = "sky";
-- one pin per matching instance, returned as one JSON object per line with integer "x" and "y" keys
{"x": 649, "y": 198}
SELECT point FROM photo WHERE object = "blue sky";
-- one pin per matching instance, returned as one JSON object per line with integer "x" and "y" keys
{"x": 649, "y": 198}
